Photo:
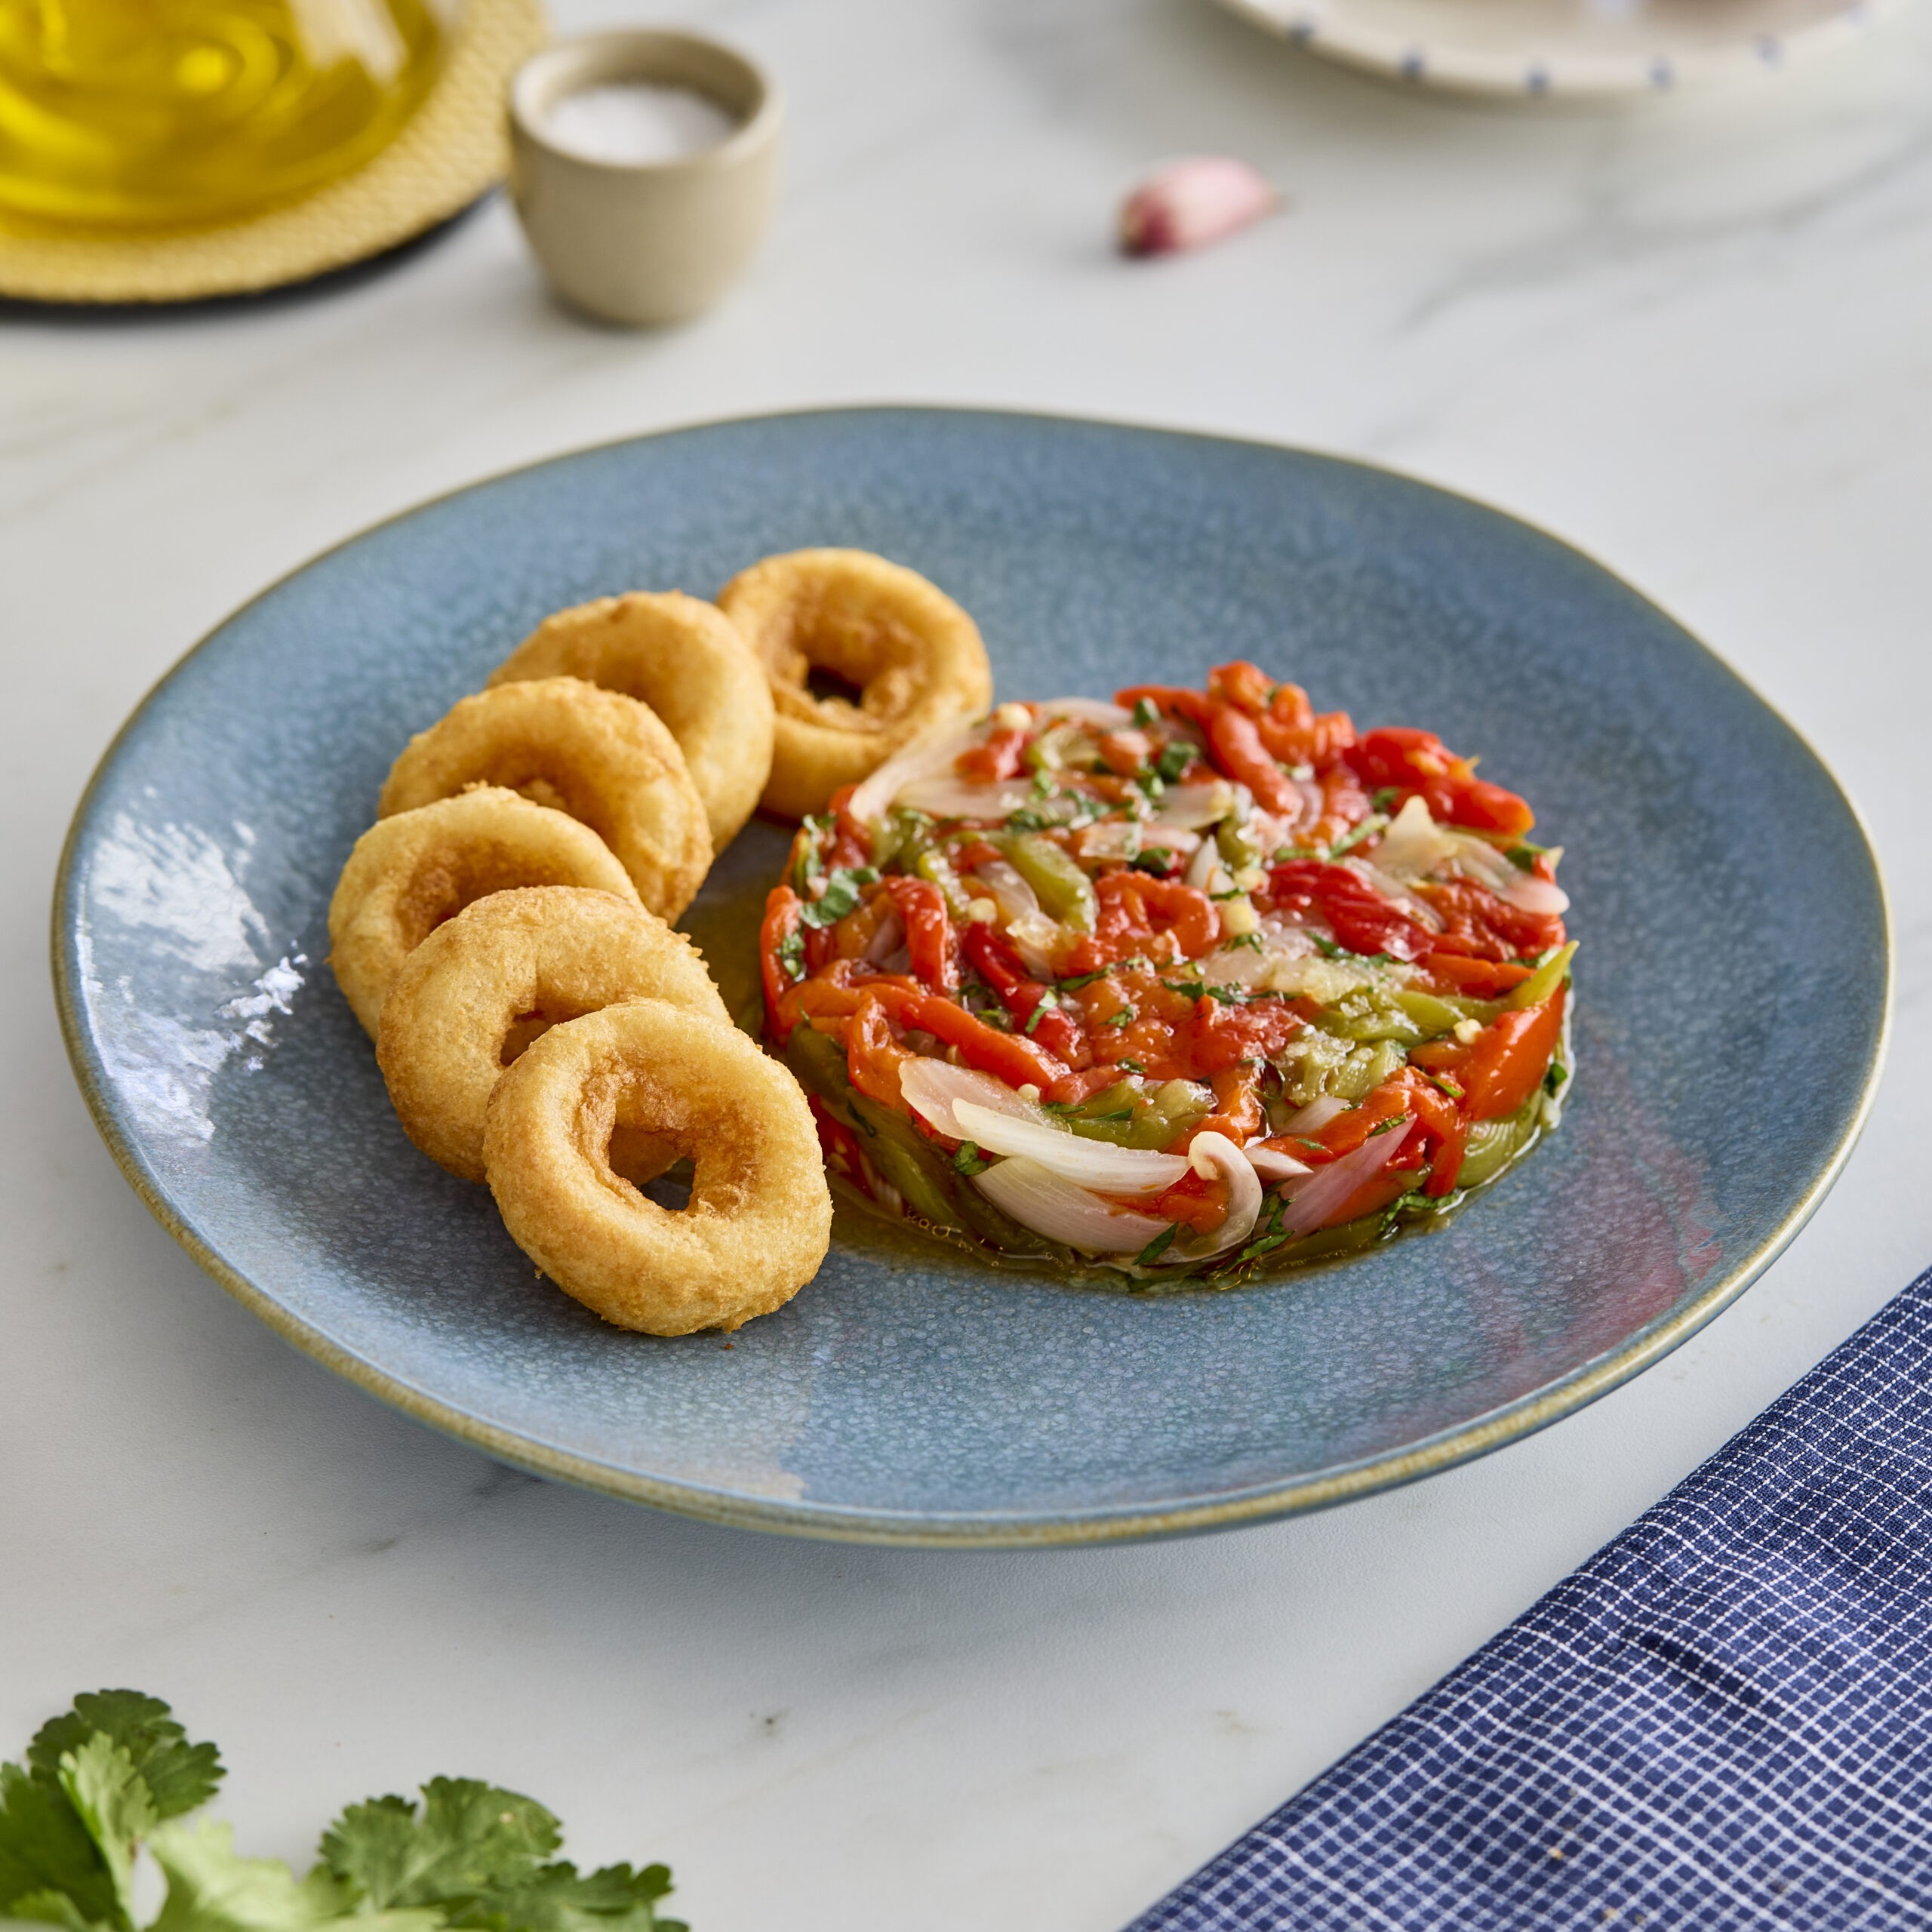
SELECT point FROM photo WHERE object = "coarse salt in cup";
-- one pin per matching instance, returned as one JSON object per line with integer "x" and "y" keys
{"x": 644, "y": 168}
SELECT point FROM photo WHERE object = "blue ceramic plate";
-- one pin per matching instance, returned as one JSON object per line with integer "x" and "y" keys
{"x": 909, "y": 1394}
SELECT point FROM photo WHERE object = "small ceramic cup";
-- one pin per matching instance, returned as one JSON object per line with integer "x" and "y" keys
{"x": 646, "y": 242}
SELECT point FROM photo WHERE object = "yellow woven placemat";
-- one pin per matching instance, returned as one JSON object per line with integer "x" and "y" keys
{"x": 452, "y": 149}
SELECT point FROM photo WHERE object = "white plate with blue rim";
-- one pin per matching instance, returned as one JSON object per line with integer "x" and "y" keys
{"x": 1575, "y": 50}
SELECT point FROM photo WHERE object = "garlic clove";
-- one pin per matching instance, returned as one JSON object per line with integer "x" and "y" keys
{"x": 1192, "y": 202}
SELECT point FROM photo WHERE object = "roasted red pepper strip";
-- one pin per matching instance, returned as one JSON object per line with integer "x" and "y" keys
{"x": 1224, "y": 1035}
{"x": 1058, "y": 1029}
{"x": 1237, "y": 1104}
{"x": 997, "y": 757}
{"x": 1412, "y": 762}
{"x": 1445, "y": 1125}
{"x": 921, "y": 906}
{"x": 1012, "y": 1057}
{"x": 782, "y": 909}
{"x": 873, "y": 1054}
{"x": 1246, "y": 686}
{"x": 1508, "y": 1060}
{"x": 1196, "y": 1200}
{"x": 1360, "y": 917}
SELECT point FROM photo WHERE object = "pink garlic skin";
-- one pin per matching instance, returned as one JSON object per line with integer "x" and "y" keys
{"x": 1190, "y": 203}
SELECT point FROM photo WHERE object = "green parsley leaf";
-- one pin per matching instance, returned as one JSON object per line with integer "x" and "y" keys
{"x": 1555, "y": 1079}
{"x": 1145, "y": 715}
{"x": 468, "y": 1837}
{"x": 969, "y": 1159}
{"x": 1049, "y": 1000}
{"x": 1080, "y": 979}
{"x": 1251, "y": 940}
{"x": 1387, "y": 1126}
{"x": 1524, "y": 855}
{"x": 1161, "y": 861}
{"x": 180, "y": 1776}
{"x": 1124, "y": 1017}
{"x": 1329, "y": 949}
{"x": 1158, "y": 1247}
{"x": 1130, "y": 1066}
{"x": 111, "y": 1800}
{"x": 791, "y": 951}
{"x": 1450, "y": 1087}
{"x": 1189, "y": 988}
{"x": 45, "y": 1851}
{"x": 843, "y": 891}
{"x": 1382, "y": 799}
{"x": 211, "y": 1888}
{"x": 1176, "y": 756}
{"x": 558, "y": 1898}
{"x": 1026, "y": 820}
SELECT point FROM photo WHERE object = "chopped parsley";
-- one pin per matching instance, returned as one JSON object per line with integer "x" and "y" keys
{"x": 1384, "y": 797}
{"x": 1080, "y": 979}
{"x": 1160, "y": 860}
{"x": 1386, "y": 1126}
{"x": 1368, "y": 829}
{"x": 969, "y": 1159}
{"x": 791, "y": 951}
{"x": 1145, "y": 715}
{"x": 1049, "y": 1000}
{"x": 1450, "y": 1087}
{"x": 1176, "y": 756}
{"x": 843, "y": 891}
{"x": 1124, "y": 1017}
{"x": 1158, "y": 1247}
{"x": 1329, "y": 949}
{"x": 1251, "y": 940}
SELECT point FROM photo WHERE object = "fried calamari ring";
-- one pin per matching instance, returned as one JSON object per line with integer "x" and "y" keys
{"x": 603, "y": 758}
{"x": 915, "y": 655}
{"x": 473, "y": 995}
{"x": 684, "y": 659}
{"x": 409, "y": 873}
{"x": 760, "y": 1216}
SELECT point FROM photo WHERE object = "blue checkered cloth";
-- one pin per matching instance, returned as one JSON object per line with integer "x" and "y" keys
{"x": 1724, "y": 1719}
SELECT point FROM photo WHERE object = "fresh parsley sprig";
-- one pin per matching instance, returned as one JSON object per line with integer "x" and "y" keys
{"x": 115, "y": 1776}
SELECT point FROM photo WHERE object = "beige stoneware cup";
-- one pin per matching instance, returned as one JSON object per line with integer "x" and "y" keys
{"x": 647, "y": 243}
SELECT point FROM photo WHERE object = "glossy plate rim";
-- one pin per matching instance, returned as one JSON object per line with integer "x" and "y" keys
{"x": 1542, "y": 72}
{"x": 935, "y": 1529}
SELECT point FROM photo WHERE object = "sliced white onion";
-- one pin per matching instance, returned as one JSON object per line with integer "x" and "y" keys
{"x": 923, "y": 758}
{"x": 1203, "y": 870}
{"x": 1092, "y": 1163}
{"x": 1213, "y": 1154}
{"x": 1054, "y": 1206}
{"x": 1093, "y": 711}
{"x": 1317, "y": 1114}
{"x": 1315, "y": 1203}
{"x": 1543, "y": 896}
{"x": 1121, "y": 838}
{"x": 954, "y": 798}
{"x": 931, "y": 1086}
{"x": 1041, "y": 943}
{"x": 1006, "y": 889}
{"x": 1272, "y": 1165}
{"x": 1193, "y": 806}
{"x": 1414, "y": 844}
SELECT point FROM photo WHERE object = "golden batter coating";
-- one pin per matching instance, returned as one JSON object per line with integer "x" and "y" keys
{"x": 472, "y": 996}
{"x": 759, "y": 1220}
{"x": 915, "y": 655}
{"x": 684, "y": 659}
{"x": 603, "y": 758}
{"x": 409, "y": 873}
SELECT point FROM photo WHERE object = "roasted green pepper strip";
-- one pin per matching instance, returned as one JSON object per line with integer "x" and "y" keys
{"x": 1066, "y": 893}
{"x": 1544, "y": 981}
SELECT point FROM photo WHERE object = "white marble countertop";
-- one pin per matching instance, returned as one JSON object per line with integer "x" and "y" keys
{"x": 1694, "y": 340}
